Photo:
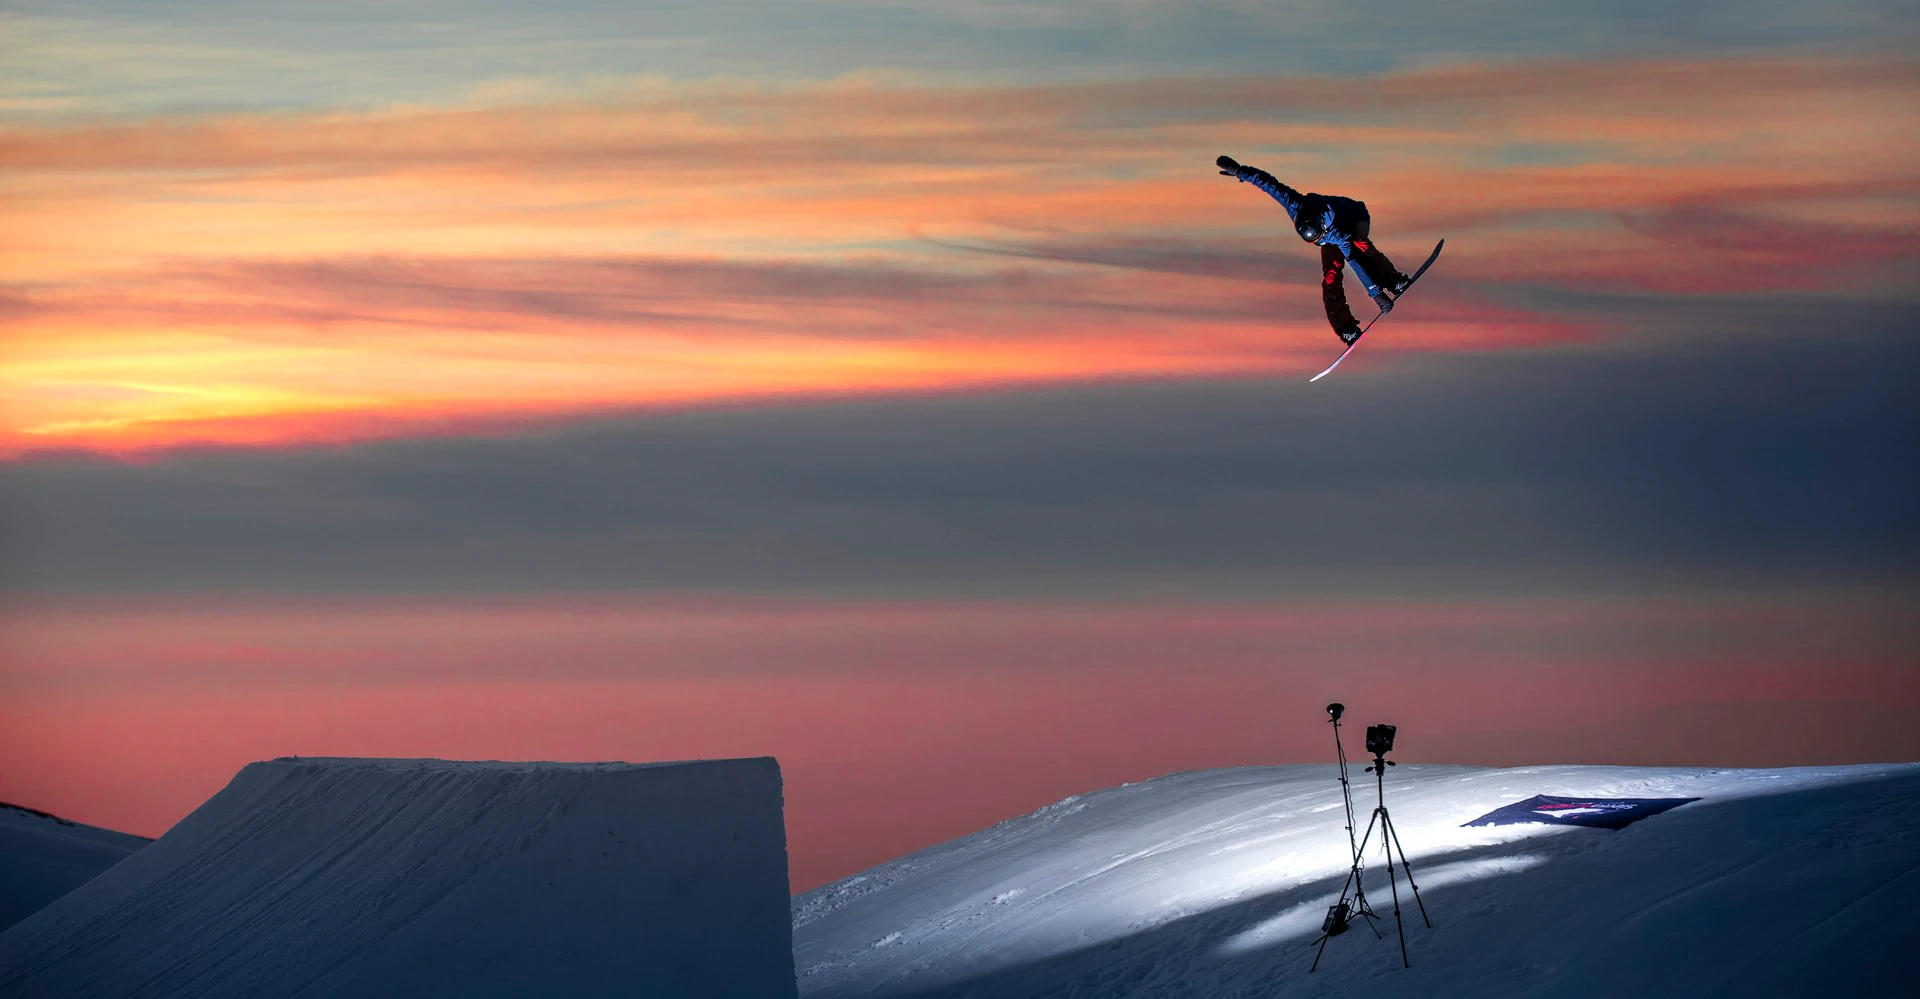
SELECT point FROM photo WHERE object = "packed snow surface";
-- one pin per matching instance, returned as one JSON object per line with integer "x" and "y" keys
{"x": 1801, "y": 881}
{"x": 334, "y": 877}
{"x": 43, "y": 857}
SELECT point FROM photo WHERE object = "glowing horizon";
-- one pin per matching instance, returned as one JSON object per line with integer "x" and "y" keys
{"x": 327, "y": 276}
{"x": 129, "y": 713}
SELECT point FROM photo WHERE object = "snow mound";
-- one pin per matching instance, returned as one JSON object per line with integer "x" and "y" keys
{"x": 1213, "y": 884}
{"x": 323, "y": 877}
{"x": 43, "y": 856}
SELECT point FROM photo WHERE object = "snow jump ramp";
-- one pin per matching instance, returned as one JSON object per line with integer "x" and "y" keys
{"x": 362, "y": 877}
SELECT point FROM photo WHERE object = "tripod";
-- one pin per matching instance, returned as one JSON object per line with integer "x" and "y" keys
{"x": 1389, "y": 843}
{"x": 1340, "y": 915}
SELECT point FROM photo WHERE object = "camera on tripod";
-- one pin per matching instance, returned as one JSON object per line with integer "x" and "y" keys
{"x": 1352, "y": 904}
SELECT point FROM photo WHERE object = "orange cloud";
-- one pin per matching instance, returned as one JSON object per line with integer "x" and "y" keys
{"x": 288, "y": 278}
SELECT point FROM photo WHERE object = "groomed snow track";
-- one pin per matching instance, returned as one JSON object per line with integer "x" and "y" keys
{"x": 348, "y": 877}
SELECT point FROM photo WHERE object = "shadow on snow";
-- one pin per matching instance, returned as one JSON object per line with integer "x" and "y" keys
{"x": 1847, "y": 866}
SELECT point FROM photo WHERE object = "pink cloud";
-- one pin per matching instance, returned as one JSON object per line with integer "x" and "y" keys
{"x": 300, "y": 278}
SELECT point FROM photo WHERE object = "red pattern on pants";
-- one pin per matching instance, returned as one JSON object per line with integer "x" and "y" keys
{"x": 1333, "y": 290}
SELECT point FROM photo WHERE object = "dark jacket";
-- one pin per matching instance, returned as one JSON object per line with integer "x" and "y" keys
{"x": 1342, "y": 219}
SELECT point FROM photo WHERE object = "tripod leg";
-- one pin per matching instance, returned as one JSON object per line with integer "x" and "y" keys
{"x": 1394, "y": 835}
{"x": 1360, "y": 906}
{"x": 1386, "y": 847}
{"x": 1324, "y": 937}
{"x": 1363, "y": 910}
{"x": 1353, "y": 873}
{"x": 1328, "y": 934}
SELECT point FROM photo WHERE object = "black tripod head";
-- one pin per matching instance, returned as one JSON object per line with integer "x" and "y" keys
{"x": 1380, "y": 743}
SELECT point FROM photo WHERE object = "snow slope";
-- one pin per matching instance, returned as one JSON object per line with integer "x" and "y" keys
{"x": 43, "y": 857}
{"x": 1790, "y": 882}
{"x": 324, "y": 877}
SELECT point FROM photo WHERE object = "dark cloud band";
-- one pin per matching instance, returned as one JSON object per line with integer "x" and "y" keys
{"x": 1776, "y": 452}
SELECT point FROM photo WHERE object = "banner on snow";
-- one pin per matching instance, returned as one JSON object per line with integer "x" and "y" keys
{"x": 1603, "y": 813}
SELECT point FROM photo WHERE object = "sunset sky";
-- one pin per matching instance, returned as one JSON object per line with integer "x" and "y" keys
{"x": 895, "y": 387}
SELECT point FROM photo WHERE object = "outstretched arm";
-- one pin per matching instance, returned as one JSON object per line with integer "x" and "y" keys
{"x": 1287, "y": 196}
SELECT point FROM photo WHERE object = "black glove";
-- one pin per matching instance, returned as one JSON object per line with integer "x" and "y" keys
{"x": 1384, "y": 301}
{"x": 1227, "y": 166}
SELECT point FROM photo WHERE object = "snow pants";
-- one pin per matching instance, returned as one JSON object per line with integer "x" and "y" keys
{"x": 1378, "y": 272}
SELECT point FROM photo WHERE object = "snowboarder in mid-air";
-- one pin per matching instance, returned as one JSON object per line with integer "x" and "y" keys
{"x": 1339, "y": 227}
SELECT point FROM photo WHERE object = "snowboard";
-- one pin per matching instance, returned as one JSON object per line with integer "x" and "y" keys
{"x": 1431, "y": 257}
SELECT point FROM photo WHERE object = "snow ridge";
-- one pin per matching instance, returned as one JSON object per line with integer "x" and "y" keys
{"x": 44, "y": 856}
{"x": 1213, "y": 884}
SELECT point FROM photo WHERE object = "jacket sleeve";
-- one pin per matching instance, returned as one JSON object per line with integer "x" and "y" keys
{"x": 1287, "y": 196}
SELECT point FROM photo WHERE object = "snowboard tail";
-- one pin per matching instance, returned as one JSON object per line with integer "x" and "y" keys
{"x": 1431, "y": 257}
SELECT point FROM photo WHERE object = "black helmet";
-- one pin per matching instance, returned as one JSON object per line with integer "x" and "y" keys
{"x": 1310, "y": 229}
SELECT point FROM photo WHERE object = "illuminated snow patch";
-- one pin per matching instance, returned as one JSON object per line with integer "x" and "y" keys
{"x": 1139, "y": 893}
{"x": 1304, "y": 919}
